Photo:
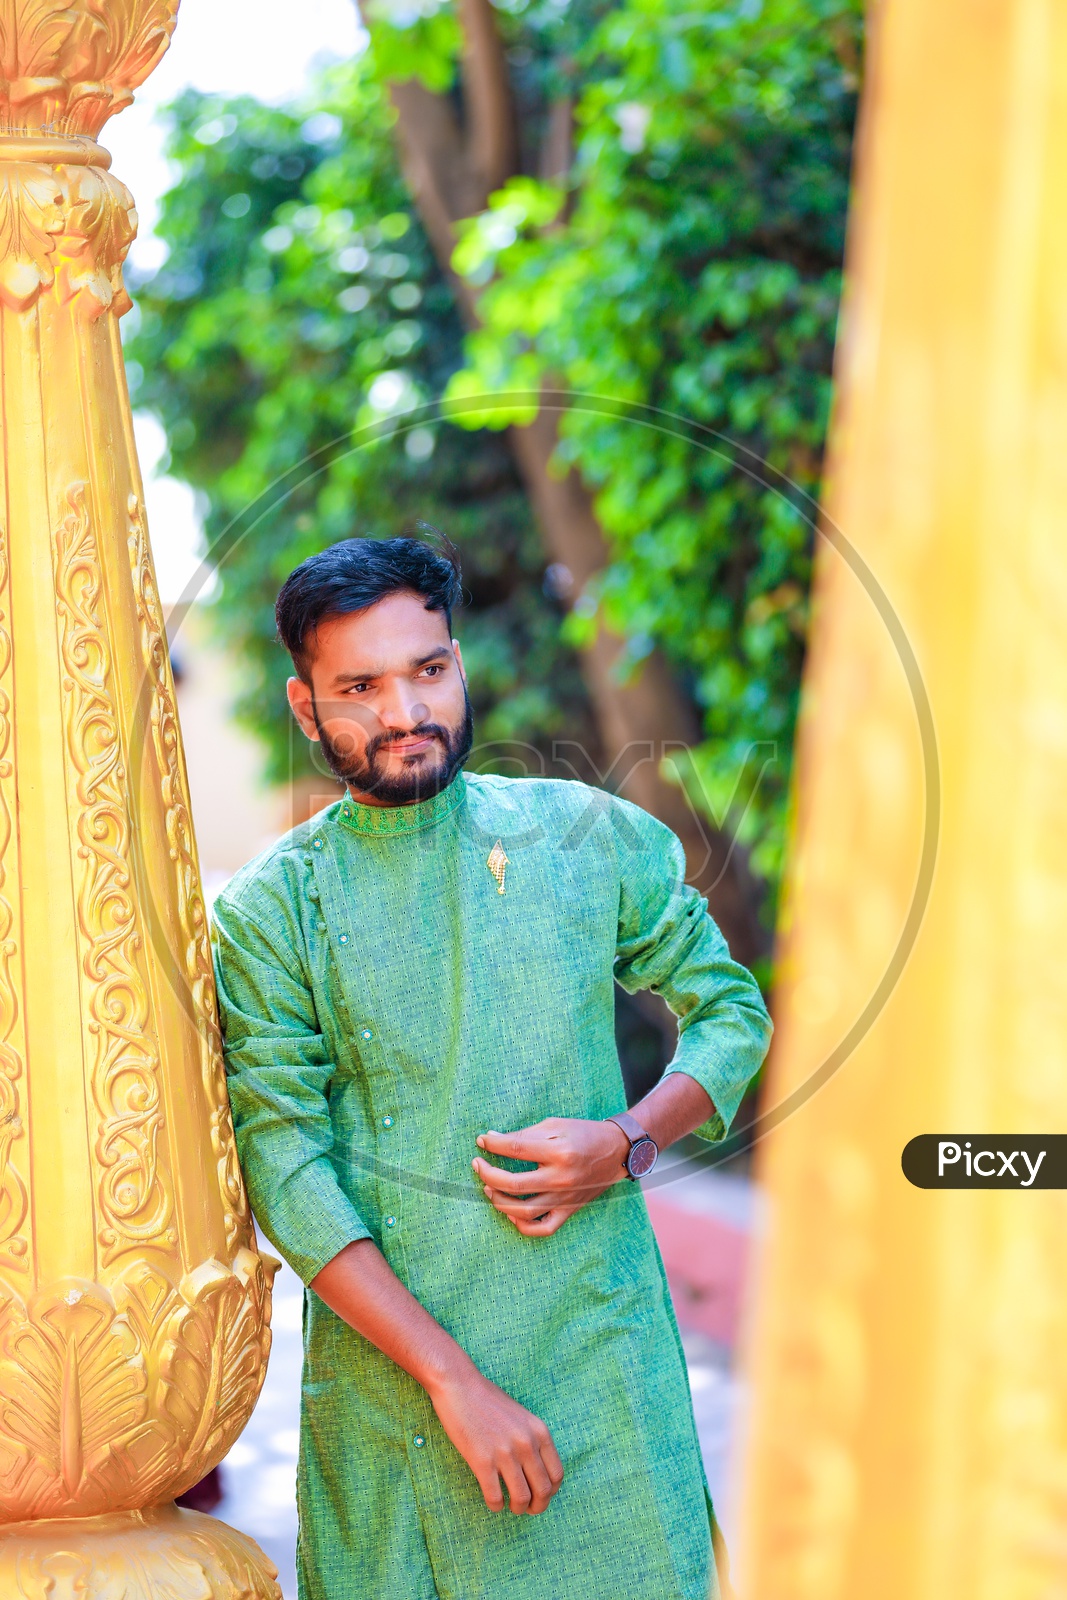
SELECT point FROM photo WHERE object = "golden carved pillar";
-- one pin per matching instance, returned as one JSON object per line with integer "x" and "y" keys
{"x": 909, "y": 1429}
{"x": 134, "y": 1308}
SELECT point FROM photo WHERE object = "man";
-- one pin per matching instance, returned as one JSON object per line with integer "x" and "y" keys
{"x": 416, "y": 992}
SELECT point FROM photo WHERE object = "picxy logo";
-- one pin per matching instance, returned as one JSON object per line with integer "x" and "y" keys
{"x": 983, "y": 1163}
{"x": 990, "y": 1161}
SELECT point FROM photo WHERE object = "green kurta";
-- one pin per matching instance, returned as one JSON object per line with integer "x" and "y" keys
{"x": 383, "y": 1004}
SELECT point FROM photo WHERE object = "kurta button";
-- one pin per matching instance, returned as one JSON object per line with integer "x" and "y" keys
{"x": 387, "y": 1122}
{"x": 316, "y": 844}
{"x": 418, "y": 1441}
{"x": 365, "y": 1033}
{"x": 343, "y": 938}
{"x": 390, "y": 1222}
{"x": 322, "y": 927}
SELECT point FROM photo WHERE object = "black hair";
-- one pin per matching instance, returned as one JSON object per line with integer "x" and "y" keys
{"x": 354, "y": 575}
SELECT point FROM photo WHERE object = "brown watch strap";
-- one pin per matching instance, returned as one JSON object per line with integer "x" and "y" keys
{"x": 630, "y": 1127}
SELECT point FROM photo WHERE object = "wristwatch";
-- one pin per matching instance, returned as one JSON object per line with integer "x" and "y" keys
{"x": 644, "y": 1151}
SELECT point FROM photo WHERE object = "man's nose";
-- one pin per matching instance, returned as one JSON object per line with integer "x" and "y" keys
{"x": 402, "y": 710}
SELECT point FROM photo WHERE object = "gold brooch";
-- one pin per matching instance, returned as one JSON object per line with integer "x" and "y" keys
{"x": 496, "y": 863}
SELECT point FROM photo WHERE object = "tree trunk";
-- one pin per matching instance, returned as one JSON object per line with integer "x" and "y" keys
{"x": 452, "y": 167}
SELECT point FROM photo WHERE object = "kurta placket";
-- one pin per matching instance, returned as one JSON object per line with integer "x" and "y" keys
{"x": 388, "y": 1161}
{"x": 383, "y": 1003}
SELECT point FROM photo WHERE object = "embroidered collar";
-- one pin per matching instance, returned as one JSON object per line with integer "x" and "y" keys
{"x": 392, "y": 820}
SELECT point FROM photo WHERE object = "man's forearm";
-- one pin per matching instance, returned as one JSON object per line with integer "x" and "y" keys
{"x": 675, "y": 1107}
{"x": 362, "y": 1288}
{"x": 499, "y": 1439}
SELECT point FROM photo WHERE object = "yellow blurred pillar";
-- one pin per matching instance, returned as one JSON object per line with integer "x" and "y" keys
{"x": 134, "y": 1307}
{"x": 908, "y": 1439}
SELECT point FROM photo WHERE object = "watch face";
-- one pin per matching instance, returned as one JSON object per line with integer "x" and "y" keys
{"x": 642, "y": 1158}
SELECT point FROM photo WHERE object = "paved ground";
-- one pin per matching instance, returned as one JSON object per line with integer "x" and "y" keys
{"x": 702, "y": 1223}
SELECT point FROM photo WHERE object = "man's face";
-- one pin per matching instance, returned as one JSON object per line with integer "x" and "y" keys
{"x": 387, "y": 701}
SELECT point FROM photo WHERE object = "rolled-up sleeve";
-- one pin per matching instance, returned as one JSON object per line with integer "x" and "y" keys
{"x": 668, "y": 943}
{"x": 278, "y": 1072}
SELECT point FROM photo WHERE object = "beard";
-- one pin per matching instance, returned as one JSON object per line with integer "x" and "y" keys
{"x": 422, "y": 776}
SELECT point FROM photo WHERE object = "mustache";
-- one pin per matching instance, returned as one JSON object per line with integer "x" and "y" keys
{"x": 415, "y": 778}
{"x": 423, "y": 730}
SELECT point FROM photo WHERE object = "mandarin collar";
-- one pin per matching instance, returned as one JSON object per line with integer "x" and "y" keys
{"x": 392, "y": 820}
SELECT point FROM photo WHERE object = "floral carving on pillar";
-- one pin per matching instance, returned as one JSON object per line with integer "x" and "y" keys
{"x": 192, "y": 913}
{"x": 13, "y": 1197}
{"x": 136, "y": 1201}
{"x": 134, "y": 1308}
{"x": 111, "y": 1398}
{"x": 68, "y": 67}
{"x": 65, "y": 222}
{"x": 65, "y": 229}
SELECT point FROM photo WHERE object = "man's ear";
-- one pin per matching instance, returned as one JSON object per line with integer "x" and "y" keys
{"x": 300, "y": 703}
{"x": 459, "y": 659}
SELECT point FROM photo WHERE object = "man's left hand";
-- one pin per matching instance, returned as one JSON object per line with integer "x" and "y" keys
{"x": 576, "y": 1161}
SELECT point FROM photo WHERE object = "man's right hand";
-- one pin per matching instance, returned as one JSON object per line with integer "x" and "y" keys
{"x": 498, "y": 1439}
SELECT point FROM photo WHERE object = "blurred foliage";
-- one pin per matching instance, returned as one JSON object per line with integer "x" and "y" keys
{"x": 689, "y": 264}
{"x": 689, "y": 273}
{"x": 286, "y": 344}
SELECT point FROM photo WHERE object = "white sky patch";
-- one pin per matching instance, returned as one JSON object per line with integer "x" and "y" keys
{"x": 392, "y": 393}
{"x": 222, "y": 47}
{"x": 174, "y": 522}
{"x": 633, "y": 120}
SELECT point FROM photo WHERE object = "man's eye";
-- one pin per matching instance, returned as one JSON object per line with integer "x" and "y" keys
{"x": 433, "y": 670}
